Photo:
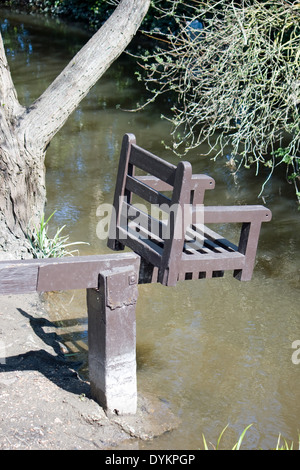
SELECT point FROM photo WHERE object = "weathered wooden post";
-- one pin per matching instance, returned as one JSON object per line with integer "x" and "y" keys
{"x": 112, "y": 340}
{"x": 112, "y": 290}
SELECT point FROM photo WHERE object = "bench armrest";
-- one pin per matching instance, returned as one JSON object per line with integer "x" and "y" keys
{"x": 154, "y": 183}
{"x": 232, "y": 214}
{"x": 202, "y": 182}
{"x": 198, "y": 182}
{"x": 251, "y": 218}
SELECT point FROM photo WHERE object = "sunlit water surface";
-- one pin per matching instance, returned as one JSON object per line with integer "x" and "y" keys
{"x": 218, "y": 351}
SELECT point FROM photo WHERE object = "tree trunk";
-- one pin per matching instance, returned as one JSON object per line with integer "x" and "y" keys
{"x": 26, "y": 133}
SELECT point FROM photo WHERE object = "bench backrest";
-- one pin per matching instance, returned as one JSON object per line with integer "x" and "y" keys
{"x": 129, "y": 223}
{"x": 180, "y": 245}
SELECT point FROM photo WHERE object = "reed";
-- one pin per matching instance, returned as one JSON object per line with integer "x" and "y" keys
{"x": 43, "y": 246}
{"x": 282, "y": 443}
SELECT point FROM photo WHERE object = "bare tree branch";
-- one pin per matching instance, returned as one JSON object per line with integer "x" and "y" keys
{"x": 232, "y": 71}
{"x": 9, "y": 103}
{"x": 48, "y": 113}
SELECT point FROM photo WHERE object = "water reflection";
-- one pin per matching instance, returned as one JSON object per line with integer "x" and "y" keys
{"x": 218, "y": 351}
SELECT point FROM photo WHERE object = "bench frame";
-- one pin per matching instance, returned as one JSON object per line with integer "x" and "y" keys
{"x": 171, "y": 258}
{"x": 111, "y": 280}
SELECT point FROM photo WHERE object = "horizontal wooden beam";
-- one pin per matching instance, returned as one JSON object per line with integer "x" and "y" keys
{"x": 233, "y": 214}
{"x": 53, "y": 274}
{"x": 144, "y": 191}
{"x": 152, "y": 164}
{"x": 111, "y": 283}
{"x": 197, "y": 182}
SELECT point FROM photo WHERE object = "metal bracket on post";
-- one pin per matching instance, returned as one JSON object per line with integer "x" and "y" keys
{"x": 112, "y": 339}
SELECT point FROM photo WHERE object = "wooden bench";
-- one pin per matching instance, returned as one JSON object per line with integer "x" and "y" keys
{"x": 177, "y": 248}
{"x": 181, "y": 246}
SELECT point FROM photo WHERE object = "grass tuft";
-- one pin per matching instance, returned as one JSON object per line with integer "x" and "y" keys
{"x": 42, "y": 246}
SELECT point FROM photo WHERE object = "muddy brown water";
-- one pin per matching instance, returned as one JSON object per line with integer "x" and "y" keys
{"x": 217, "y": 351}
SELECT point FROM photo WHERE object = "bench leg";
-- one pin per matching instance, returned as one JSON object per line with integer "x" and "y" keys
{"x": 248, "y": 246}
{"x": 112, "y": 340}
{"x": 148, "y": 273}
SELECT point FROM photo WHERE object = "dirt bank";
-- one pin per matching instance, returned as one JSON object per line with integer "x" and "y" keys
{"x": 44, "y": 404}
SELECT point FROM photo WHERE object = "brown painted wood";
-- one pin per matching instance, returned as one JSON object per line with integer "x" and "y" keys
{"x": 180, "y": 249}
{"x": 16, "y": 278}
{"x": 111, "y": 283}
{"x": 152, "y": 164}
{"x": 41, "y": 275}
{"x": 146, "y": 192}
{"x": 124, "y": 169}
{"x": 235, "y": 214}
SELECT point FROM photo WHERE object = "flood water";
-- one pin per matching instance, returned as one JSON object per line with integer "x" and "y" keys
{"x": 218, "y": 351}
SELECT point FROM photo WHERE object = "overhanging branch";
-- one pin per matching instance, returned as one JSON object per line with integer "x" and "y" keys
{"x": 9, "y": 103}
{"x": 48, "y": 113}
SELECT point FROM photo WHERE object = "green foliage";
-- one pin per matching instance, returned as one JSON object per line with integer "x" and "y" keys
{"x": 285, "y": 445}
{"x": 230, "y": 71}
{"x": 237, "y": 445}
{"x": 42, "y": 246}
{"x": 292, "y": 166}
{"x": 282, "y": 443}
{"x": 92, "y": 13}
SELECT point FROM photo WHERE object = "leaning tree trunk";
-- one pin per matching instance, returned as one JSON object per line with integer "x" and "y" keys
{"x": 26, "y": 132}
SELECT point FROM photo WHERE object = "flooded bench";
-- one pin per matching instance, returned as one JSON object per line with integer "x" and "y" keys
{"x": 177, "y": 244}
{"x": 161, "y": 216}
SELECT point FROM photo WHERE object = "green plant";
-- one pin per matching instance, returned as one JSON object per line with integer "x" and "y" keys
{"x": 292, "y": 166}
{"x": 282, "y": 443}
{"x": 42, "y": 246}
{"x": 230, "y": 73}
{"x": 236, "y": 446}
{"x": 285, "y": 445}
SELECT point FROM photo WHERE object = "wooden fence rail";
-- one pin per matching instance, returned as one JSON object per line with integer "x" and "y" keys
{"x": 112, "y": 291}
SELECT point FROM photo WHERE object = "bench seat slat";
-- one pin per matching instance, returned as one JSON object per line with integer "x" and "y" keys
{"x": 142, "y": 232}
{"x": 205, "y": 239}
{"x": 219, "y": 240}
{"x": 143, "y": 248}
{"x": 149, "y": 223}
{"x": 213, "y": 261}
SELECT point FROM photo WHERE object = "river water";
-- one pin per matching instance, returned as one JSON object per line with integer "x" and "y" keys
{"x": 217, "y": 351}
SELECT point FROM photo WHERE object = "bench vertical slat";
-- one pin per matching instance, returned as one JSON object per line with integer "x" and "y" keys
{"x": 120, "y": 191}
{"x": 170, "y": 264}
{"x": 248, "y": 247}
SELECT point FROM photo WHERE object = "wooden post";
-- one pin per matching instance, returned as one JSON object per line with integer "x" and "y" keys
{"x": 112, "y": 340}
{"x": 112, "y": 289}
